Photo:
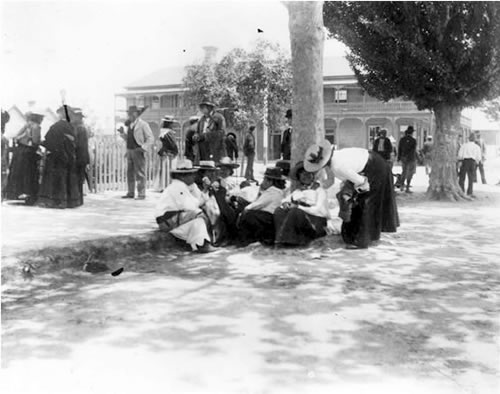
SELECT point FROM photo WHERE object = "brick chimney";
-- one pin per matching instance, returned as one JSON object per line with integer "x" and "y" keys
{"x": 210, "y": 53}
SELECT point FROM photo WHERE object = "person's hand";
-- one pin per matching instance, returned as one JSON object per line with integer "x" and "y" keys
{"x": 363, "y": 187}
{"x": 287, "y": 205}
{"x": 196, "y": 138}
{"x": 120, "y": 130}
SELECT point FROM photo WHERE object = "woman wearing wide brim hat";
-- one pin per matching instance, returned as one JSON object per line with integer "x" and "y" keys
{"x": 256, "y": 222}
{"x": 302, "y": 216}
{"x": 179, "y": 209}
{"x": 22, "y": 181}
{"x": 371, "y": 177}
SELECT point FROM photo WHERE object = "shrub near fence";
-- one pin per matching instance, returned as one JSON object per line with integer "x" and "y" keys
{"x": 109, "y": 163}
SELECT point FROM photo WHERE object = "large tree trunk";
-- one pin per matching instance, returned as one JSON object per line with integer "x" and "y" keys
{"x": 307, "y": 41}
{"x": 443, "y": 181}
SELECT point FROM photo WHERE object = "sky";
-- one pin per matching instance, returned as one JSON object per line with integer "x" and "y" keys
{"x": 91, "y": 49}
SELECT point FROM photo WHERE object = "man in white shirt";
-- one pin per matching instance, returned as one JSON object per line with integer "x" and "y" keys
{"x": 469, "y": 157}
{"x": 179, "y": 209}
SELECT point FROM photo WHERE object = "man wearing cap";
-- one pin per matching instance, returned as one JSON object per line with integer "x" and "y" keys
{"x": 138, "y": 138}
{"x": 407, "y": 154}
{"x": 180, "y": 209}
{"x": 286, "y": 140}
{"x": 82, "y": 149}
{"x": 210, "y": 135}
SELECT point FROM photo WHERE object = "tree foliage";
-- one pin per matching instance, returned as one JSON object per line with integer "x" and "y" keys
{"x": 428, "y": 52}
{"x": 241, "y": 80}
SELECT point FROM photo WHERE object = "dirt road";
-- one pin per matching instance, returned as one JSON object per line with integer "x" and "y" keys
{"x": 417, "y": 313}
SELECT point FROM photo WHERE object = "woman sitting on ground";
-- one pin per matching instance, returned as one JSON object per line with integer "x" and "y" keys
{"x": 256, "y": 222}
{"x": 375, "y": 210}
{"x": 179, "y": 209}
{"x": 303, "y": 215}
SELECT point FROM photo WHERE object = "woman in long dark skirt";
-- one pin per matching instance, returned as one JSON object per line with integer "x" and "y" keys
{"x": 256, "y": 222}
{"x": 59, "y": 188}
{"x": 375, "y": 210}
{"x": 302, "y": 217}
{"x": 23, "y": 174}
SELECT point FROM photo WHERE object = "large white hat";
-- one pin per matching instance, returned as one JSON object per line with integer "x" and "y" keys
{"x": 317, "y": 155}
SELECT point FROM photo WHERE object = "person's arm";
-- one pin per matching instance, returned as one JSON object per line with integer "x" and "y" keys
{"x": 388, "y": 146}
{"x": 375, "y": 145}
{"x": 326, "y": 177}
{"x": 262, "y": 201}
{"x": 148, "y": 136}
{"x": 321, "y": 207}
{"x": 399, "y": 149}
{"x": 460, "y": 155}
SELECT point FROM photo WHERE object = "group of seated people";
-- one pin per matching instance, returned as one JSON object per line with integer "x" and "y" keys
{"x": 206, "y": 206}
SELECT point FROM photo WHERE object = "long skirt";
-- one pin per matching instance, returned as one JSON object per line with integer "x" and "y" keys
{"x": 60, "y": 185}
{"x": 189, "y": 226}
{"x": 296, "y": 227}
{"x": 255, "y": 226}
{"x": 376, "y": 210}
{"x": 23, "y": 174}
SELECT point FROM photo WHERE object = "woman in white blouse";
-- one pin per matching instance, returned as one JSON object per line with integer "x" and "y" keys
{"x": 375, "y": 210}
{"x": 302, "y": 215}
{"x": 256, "y": 222}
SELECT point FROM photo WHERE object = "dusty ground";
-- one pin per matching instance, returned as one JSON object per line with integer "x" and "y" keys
{"x": 418, "y": 313}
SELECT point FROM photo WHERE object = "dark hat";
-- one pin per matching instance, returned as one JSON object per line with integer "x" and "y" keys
{"x": 132, "y": 109}
{"x": 227, "y": 162}
{"x": 274, "y": 173}
{"x": 284, "y": 165}
{"x": 295, "y": 170}
{"x": 184, "y": 167}
{"x": 410, "y": 129}
{"x": 231, "y": 134}
{"x": 288, "y": 113}
{"x": 207, "y": 102}
{"x": 35, "y": 117}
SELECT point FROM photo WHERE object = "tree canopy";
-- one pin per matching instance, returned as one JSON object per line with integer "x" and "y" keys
{"x": 241, "y": 80}
{"x": 429, "y": 52}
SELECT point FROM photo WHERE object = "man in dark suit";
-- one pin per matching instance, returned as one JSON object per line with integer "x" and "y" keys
{"x": 382, "y": 145}
{"x": 286, "y": 140}
{"x": 210, "y": 136}
{"x": 407, "y": 154}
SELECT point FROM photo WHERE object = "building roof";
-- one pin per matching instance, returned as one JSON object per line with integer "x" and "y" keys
{"x": 337, "y": 66}
{"x": 167, "y": 76}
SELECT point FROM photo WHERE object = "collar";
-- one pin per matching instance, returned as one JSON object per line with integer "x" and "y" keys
{"x": 132, "y": 125}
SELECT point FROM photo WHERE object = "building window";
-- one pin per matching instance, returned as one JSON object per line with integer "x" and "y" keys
{"x": 170, "y": 101}
{"x": 330, "y": 127}
{"x": 372, "y": 134}
{"x": 155, "y": 102}
{"x": 140, "y": 101}
{"x": 341, "y": 96}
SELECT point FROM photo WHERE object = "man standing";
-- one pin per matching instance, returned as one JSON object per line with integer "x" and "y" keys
{"x": 427, "y": 153}
{"x": 469, "y": 156}
{"x": 286, "y": 140}
{"x": 382, "y": 145}
{"x": 249, "y": 152}
{"x": 82, "y": 149}
{"x": 210, "y": 135}
{"x": 138, "y": 138}
{"x": 480, "y": 142}
{"x": 407, "y": 154}
{"x": 5, "y": 152}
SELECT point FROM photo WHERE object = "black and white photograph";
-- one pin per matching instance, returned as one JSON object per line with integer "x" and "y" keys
{"x": 250, "y": 197}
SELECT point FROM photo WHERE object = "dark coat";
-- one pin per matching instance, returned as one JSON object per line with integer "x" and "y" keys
{"x": 249, "y": 145}
{"x": 407, "y": 150}
{"x": 211, "y": 143}
{"x": 232, "y": 148}
{"x": 286, "y": 144}
{"x": 189, "y": 143}
{"x": 387, "y": 148}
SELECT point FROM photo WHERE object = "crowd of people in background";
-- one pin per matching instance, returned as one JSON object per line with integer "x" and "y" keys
{"x": 48, "y": 172}
{"x": 204, "y": 204}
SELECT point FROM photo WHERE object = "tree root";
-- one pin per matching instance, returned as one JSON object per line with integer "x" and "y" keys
{"x": 447, "y": 195}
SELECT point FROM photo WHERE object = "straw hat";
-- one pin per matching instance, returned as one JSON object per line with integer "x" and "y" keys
{"x": 317, "y": 155}
{"x": 184, "y": 167}
{"x": 227, "y": 162}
